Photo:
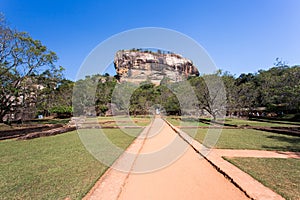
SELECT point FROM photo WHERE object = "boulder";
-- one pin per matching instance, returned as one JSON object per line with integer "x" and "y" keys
{"x": 138, "y": 66}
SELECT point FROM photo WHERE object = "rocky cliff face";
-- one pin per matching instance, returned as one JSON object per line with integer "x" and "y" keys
{"x": 137, "y": 66}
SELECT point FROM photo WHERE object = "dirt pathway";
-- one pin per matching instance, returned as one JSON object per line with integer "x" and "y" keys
{"x": 187, "y": 177}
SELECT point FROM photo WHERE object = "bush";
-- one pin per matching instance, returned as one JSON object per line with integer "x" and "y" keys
{"x": 62, "y": 111}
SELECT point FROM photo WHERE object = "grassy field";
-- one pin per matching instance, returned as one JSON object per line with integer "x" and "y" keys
{"x": 251, "y": 139}
{"x": 34, "y": 122}
{"x": 53, "y": 167}
{"x": 103, "y": 121}
{"x": 281, "y": 175}
{"x": 124, "y": 121}
{"x": 49, "y": 121}
{"x": 178, "y": 121}
{"x": 5, "y": 127}
{"x": 244, "y": 138}
{"x": 260, "y": 122}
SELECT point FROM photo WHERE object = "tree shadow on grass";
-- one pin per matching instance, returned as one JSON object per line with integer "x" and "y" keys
{"x": 274, "y": 121}
{"x": 204, "y": 121}
{"x": 294, "y": 143}
{"x": 293, "y": 131}
{"x": 208, "y": 122}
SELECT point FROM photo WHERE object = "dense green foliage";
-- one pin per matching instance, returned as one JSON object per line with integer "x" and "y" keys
{"x": 54, "y": 96}
{"x": 92, "y": 95}
{"x": 28, "y": 76}
{"x": 276, "y": 90}
{"x": 149, "y": 95}
{"x": 62, "y": 111}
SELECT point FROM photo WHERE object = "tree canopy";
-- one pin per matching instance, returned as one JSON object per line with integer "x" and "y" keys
{"x": 25, "y": 65}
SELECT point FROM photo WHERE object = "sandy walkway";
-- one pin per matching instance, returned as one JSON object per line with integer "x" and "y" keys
{"x": 188, "y": 177}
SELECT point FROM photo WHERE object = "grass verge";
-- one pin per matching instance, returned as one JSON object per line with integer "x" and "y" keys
{"x": 53, "y": 167}
{"x": 281, "y": 175}
{"x": 260, "y": 122}
{"x": 178, "y": 121}
{"x": 250, "y": 139}
{"x": 186, "y": 121}
{"x": 124, "y": 121}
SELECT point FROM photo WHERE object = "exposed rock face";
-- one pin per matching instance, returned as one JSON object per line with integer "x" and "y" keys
{"x": 137, "y": 66}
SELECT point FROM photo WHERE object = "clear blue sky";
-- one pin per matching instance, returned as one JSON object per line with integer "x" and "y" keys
{"x": 241, "y": 36}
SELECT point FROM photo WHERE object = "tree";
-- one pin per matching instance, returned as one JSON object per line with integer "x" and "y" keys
{"x": 246, "y": 95}
{"x": 143, "y": 98}
{"x": 83, "y": 98}
{"x": 22, "y": 59}
{"x": 53, "y": 91}
{"x": 279, "y": 87}
{"x": 231, "y": 92}
{"x": 64, "y": 93}
{"x": 55, "y": 98}
{"x": 104, "y": 92}
{"x": 168, "y": 100}
{"x": 211, "y": 94}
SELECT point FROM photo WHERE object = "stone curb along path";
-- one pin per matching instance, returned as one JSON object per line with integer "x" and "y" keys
{"x": 256, "y": 153}
{"x": 251, "y": 187}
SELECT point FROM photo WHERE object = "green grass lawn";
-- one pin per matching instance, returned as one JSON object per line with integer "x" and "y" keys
{"x": 260, "y": 122}
{"x": 124, "y": 121}
{"x": 281, "y": 175}
{"x": 53, "y": 167}
{"x": 177, "y": 121}
{"x": 34, "y": 122}
{"x": 250, "y": 139}
{"x": 5, "y": 127}
{"x": 185, "y": 121}
{"x": 49, "y": 121}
